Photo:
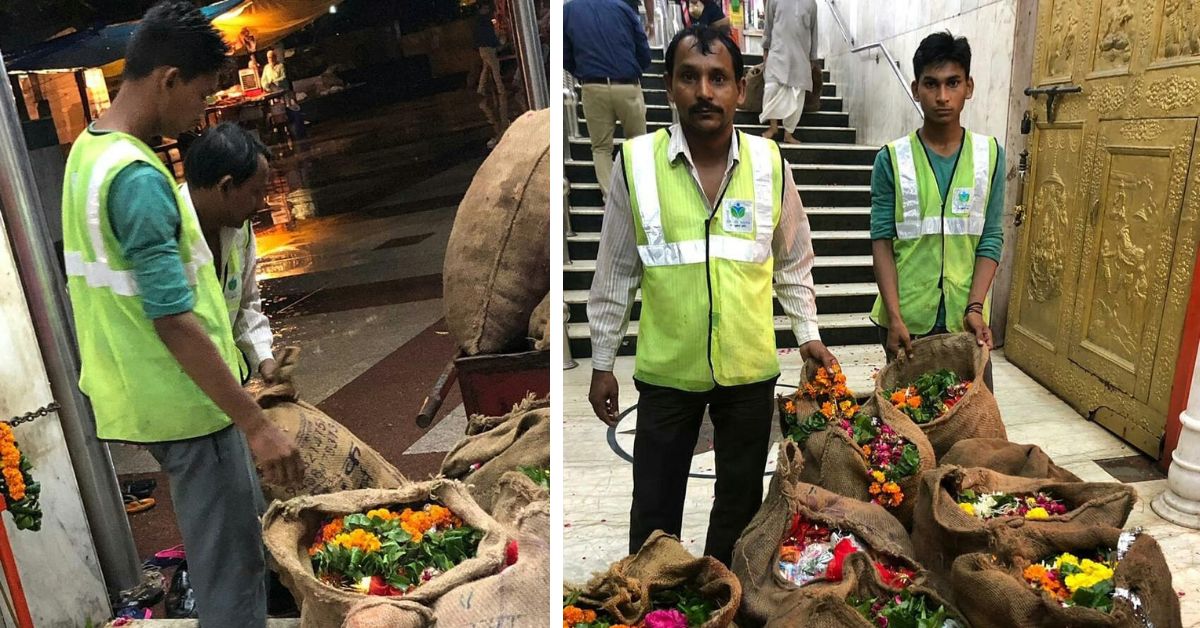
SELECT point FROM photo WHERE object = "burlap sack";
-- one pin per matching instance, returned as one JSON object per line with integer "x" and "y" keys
{"x": 834, "y": 462}
{"x": 498, "y": 256}
{"x": 514, "y": 492}
{"x": 1002, "y": 456}
{"x": 975, "y": 416}
{"x": 756, "y": 553}
{"x": 755, "y": 86}
{"x": 478, "y": 423}
{"x": 289, "y": 528}
{"x": 514, "y": 597}
{"x": 626, "y": 590}
{"x": 831, "y": 607}
{"x": 993, "y": 594}
{"x": 334, "y": 458}
{"x": 522, "y": 440}
{"x": 539, "y": 325}
{"x": 942, "y": 532}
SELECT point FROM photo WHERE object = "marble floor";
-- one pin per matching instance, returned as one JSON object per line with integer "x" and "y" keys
{"x": 598, "y": 479}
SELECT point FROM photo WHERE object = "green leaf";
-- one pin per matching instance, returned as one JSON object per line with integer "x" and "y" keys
{"x": 539, "y": 476}
{"x": 1097, "y": 596}
{"x": 815, "y": 422}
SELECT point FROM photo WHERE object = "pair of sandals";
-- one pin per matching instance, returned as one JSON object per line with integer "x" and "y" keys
{"x": 136, "y": 494}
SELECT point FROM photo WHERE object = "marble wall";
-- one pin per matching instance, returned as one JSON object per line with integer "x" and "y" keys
{"x": 877, "y": 102}
{"x": 58, "y": 566}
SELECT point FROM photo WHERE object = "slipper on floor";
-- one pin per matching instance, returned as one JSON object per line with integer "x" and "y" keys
{"x": 140, "y": 489}
{"x": 134, "y": 505}
{"x": 169, "y": 557}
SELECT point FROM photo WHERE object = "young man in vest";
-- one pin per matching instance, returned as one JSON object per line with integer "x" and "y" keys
{"x": 226, "y": 172}
{"x": 704, "y": 219}
{"x": 159, "y": 361}
{"x": 937, "y": 236}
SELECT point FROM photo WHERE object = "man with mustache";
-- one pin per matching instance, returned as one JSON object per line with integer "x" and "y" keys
{"x": 937, "y": 236}
{"x": 703, "y": 218}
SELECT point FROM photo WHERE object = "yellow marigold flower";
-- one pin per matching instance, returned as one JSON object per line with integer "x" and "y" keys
{"x": 1037, "y": 513}
{"x": 891, "y": 487}
{"x": 968, "y": 508}
{"x": 358, "y": 539}
{"x": 878, "y": 476}
{"x": 382, "y": 513}
{"x": 1065, "y": 559}
{"x": 1093, "y": 573}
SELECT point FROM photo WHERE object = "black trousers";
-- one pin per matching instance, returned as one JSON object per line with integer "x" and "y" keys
{"x": 883, "y": 336}
{"x": 668, "y": 425}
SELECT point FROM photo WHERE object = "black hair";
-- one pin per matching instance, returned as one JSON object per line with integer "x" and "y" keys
{"x": 224, "y": 150}
{"x": 176, "y": 34}
{"x": 706, "y": 37}
{"x": 940, "y": 48}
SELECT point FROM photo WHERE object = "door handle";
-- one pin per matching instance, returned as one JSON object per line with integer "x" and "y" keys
{"x": 1051, "y": 93}
{"x": 1019, "y": 215}
{"x": 1095, "y": 211}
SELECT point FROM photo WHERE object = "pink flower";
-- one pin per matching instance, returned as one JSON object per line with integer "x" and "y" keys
{"x": 669, "y": 618}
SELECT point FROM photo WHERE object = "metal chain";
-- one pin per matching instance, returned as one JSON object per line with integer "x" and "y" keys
{"x": 30, "y": 416}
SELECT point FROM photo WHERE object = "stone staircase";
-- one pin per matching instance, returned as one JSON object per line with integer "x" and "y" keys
{"x": 833, "y": 174}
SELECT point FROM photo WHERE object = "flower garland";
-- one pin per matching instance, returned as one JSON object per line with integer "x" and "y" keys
{"x": 811, "y": 552}
{"x": 931, "y": 396}
{"x": 19, "y": 493}
{"x": 1074, "y": 582}
{"x": 391, "y": 552}
{"x": 1034, "y": 506}
{"x": 890, "y": 457}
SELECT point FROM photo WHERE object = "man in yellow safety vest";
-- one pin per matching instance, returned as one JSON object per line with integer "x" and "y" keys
{"x": 937, "y": 199}
{"x": 159, "y": 361}
{"x": 705, "y": 219}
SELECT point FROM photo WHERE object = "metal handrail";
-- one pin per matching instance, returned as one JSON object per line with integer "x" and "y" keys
{"x": 892, "y": 63}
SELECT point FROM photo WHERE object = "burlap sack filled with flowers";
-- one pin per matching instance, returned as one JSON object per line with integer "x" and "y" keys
{"x": 514, "y": 597}
{"x": 290, "y": 529}
{"x": 943, "y": 530}
{"x": 334, "y": 458}
{"x": 758, "y": 552}
{"x": 522, "y": 439}
{"x": 1002, "y": 456}
{"x": 999, "y": 591}
{"x": 836, "y": 607}
{"x": 974, "y": 415}
{"x": 877, "y": 469}
{"x": 627, "y": 591}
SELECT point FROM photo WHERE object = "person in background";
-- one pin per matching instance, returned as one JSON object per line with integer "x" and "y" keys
{"x": 605, "y": 48}
{"x": 159, "y": 363}
{"x": 707, "y": 222}
{"x": 789, "y": 51}
{"x": 227, "y": 170}
{"x": 937, "y": 240}
{"x": 488, "y": 44}
{"x": 708, "y": 13}
{"x": 274, "y": 74}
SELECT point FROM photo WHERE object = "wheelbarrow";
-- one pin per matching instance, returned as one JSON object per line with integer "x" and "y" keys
{"x": 490, "y": 384}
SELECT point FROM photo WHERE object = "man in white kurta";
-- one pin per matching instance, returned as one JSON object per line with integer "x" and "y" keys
{"x": 790, "y": 46}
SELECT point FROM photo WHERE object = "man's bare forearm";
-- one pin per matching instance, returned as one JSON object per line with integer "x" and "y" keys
{"x": 981, "y": 279}
{"x": 195, "y": 352}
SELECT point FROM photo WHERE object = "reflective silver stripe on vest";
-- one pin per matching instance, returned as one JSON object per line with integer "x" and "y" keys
{"x": 200, "y": 253}
{"x": 910, "y": 228}
{"x": 658, "y": 252}
{"x": 981, "y": 146}
{"x": 99, "y": 275}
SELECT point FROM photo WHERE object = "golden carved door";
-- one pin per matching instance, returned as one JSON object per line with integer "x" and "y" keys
{"x": 1104, "y": 258}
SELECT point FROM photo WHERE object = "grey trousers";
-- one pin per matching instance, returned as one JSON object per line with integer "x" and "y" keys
{"x": 218, "y": 501}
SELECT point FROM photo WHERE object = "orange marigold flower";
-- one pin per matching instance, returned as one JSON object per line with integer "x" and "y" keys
{"x": 789, "y": 406}
{"x": 828, "y": 410}
{"x": 572, "y": 616}
{"x": 874, "y": 489}
{"x": 358, "y": 539}
{"x": 866, "y": 450}
{"x": 898, "y": 397}
{"x": 914, "y": 402}
{"x": 891, "y": 487}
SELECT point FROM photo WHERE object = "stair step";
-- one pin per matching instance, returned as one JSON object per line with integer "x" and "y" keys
{"x": 583, "y": 171}
{"x": 588, "y": 219}
{"x": 836, "y": 329}
{"x": 828, "y": 269}
{"x": 587, "y": 245}
{"x": 808, "y": 153}
{"x": 588, "y": 194}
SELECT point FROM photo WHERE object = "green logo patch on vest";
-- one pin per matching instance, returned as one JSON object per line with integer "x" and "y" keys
{"x": 736, "y": 217}
{"x": 962, "y": 201}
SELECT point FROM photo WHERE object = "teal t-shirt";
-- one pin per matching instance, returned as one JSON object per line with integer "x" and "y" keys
{"x": 145, "y": 221}
{"x": 883, "y": 205}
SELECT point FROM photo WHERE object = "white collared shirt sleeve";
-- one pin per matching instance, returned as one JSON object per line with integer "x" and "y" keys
{"x": 794, "y": 259}
{"x": 618, "y": 275}
{"x": 252, "y": 330}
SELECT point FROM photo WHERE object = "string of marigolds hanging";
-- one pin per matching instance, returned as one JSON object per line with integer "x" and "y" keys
{"x": 18, "y": 492}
